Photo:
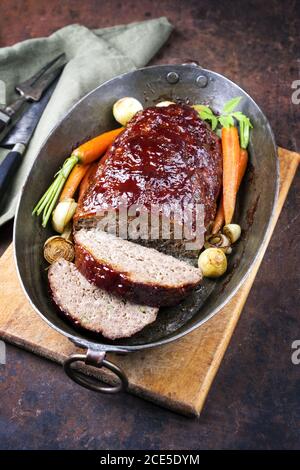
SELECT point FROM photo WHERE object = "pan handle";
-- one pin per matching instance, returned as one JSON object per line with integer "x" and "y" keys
{"x": 95, "y": 359}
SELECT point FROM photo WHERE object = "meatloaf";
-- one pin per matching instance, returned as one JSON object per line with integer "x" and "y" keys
{"x": 134, "y": 272}
{"x": 167, "y": 157}
{"x": 92, "y": 308}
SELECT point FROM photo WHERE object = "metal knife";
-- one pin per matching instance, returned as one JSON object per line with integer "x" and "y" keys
{"x": 31, "y": 90}
{"x": 18, "y": 140}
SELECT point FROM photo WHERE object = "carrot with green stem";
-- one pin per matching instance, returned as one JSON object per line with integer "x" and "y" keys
{"x": 83, "y": 155}
{"x": 73, "y": 181}
{"x": 220, "y": 217}
{"x": 235, "y": 155}
{"x": 93, "y": 149}
{"x": 231, "y": 155}
{"x": 243, "y": 162}
{"x": 86, "y": 180}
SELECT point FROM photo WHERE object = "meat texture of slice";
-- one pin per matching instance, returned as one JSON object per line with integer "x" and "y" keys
{"x": 166, "y": 157}
{"x": 92, "y": 308}
{"x": 140, "y": 274}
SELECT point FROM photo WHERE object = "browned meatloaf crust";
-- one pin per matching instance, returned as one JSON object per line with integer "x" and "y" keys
{"x": 134, "y": 272}
{"x": 166, "y": 155}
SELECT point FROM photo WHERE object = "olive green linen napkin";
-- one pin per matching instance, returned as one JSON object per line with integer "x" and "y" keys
{"x": 94, "y": 56}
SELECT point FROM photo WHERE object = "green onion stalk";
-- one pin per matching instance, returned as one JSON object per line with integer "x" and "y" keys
{"x": 47, "y": 202}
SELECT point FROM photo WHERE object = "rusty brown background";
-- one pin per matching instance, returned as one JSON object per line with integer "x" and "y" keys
{"x": 255, "y": 400}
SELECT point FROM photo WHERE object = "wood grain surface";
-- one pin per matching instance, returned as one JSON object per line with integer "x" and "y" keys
{"x": 178, "y": 375}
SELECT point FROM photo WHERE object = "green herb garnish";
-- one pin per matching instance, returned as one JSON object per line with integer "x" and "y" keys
{"x": 206, "y": 114}
{"x": 227, "y": 119}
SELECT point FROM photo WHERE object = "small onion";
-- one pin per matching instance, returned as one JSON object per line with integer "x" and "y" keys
{"x": 232, "y": 231}
{"x": 125, "y": 108}
{"x": 58, "y": 247}
{"x": 218, "y": 240}
{"x": 62, "y": 214}
{"x": 162, "y": 104}
{"x": 212, "y": 262}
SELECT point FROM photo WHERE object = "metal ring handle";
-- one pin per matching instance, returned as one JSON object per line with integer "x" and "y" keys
{"x": 92, "y": 383}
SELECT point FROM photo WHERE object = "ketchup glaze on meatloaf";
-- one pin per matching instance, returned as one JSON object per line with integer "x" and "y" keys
{"x": 165, "y": 155}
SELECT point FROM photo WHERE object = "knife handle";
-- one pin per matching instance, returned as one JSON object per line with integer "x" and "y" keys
{"x": 4, "y": 120}
{"x": 9, "y": 167}
{"x": 2, "y": 125}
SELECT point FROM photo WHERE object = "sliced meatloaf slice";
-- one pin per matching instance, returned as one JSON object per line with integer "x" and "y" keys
{"x": 95, "y": 309}
{"x": 141, "y": 274}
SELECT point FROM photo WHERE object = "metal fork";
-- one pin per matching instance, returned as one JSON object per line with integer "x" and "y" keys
{"x": 31, "y": 90}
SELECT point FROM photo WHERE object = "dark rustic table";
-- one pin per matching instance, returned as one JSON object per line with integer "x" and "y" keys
{"x": 254, "y": 401}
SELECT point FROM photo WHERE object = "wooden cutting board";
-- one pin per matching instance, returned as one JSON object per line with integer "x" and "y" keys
{"x": 178, "y": 375}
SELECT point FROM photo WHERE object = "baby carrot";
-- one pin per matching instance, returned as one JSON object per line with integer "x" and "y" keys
{"x": 94, "y": 148}
{"x": 243, "y": 162}
{"x": 220, "y": 217}
{"x": 73, "y": 181}
{"x": 86, "y": 180}
{"x": 231, "y": 155}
